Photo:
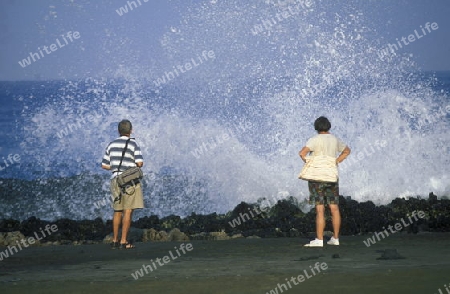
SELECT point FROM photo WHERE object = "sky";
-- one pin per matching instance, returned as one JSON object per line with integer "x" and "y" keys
{"x": 108, "y": 41}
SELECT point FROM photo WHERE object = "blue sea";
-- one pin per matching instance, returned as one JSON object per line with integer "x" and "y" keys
{"x": 230, "y": 129}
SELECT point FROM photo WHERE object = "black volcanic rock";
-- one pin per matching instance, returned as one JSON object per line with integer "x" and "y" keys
{"x": 147, "y": 222}
{"x": 284, "y": 219}
{"x": 9, "y": 225}
{"x": 31, "y": 225}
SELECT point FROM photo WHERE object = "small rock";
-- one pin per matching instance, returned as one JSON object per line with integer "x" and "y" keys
{"x": 328, "y": 234}
{"x": 177, "y": 235}
{"x": 312, "y": 257}
{"x": 12, "y": 238}
{"x": 199, "y": 236}
{"x": 162, "y": 236}
{"x": 152, "y": 235}
{"x": 108, "y": 239}
{"x": 149, "y": 235}
{"x": 390, "y": 254}
{"x": 253, "y": 237}
{"x": 236, "y": 236}
{"x": 218, "y": 236}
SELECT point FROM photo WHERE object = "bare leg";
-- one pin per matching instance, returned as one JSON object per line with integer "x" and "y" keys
{"x": 336, "y": 219}
{"x": 126, "y": 224}
{"x": 320, "y": 221}
{"x": 117, "y": 220}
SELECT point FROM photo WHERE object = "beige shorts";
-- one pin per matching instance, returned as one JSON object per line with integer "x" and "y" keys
{"x": 131, "y": 198}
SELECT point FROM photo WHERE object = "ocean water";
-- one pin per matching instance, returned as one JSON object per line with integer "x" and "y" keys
{"x": 229, "y": 129}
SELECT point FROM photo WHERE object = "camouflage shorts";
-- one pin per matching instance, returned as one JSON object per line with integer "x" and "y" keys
{"x": 323, "y": 193}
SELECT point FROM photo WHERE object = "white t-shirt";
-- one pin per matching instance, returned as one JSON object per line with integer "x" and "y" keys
{"x": 326, "y": 144}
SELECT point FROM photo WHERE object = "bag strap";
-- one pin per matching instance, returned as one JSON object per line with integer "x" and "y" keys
{"x": 123, "y": 154}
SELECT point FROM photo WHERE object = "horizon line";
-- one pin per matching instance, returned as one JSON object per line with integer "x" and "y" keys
{"x": 117, "y": 78}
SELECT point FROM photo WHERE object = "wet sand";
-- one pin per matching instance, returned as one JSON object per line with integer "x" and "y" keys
{"x": 234, "y": 266}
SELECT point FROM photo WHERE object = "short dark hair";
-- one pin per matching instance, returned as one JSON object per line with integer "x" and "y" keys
{"x": 322, "y": 124}
{"x": 125, "y": 127}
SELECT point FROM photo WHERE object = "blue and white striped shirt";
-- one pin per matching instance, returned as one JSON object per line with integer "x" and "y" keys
{"x": 113, "y": 154}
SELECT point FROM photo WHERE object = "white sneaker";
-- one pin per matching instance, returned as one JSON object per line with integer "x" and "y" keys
{"x": 333, "y": 241}
{"x": 315, "y": 243}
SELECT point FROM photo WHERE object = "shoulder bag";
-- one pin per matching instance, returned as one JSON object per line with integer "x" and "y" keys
{"x": 320, "y": 168}
{"x": 131, "y": 176}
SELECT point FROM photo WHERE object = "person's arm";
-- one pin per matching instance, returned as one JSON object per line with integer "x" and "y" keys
{"x": 343, "y": 155}
{"x": 305, "y": 150}
{"x": 106, "y": 161}
{"x": 138, "y": 159}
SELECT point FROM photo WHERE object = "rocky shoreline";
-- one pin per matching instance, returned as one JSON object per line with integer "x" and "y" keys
{"x": 284, "y": 219}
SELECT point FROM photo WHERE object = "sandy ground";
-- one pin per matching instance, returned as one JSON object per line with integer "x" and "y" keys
{"x": 234, "y": 266}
